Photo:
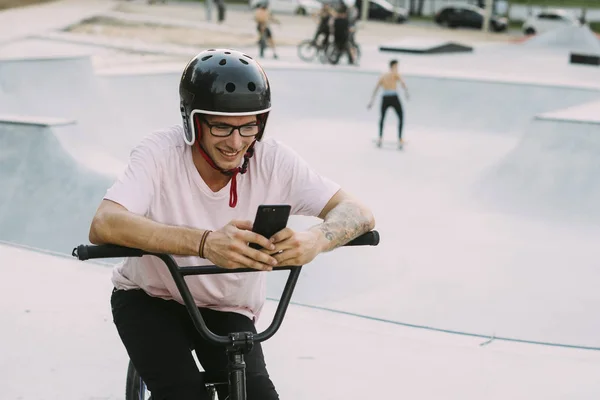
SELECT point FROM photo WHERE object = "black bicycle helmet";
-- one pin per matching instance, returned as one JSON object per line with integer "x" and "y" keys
{"x": 222, "y": 82}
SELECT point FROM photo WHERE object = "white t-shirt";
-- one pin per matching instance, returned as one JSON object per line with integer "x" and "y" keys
{"x": 162, "y": 183}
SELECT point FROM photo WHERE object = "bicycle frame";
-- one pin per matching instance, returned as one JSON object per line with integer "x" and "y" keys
{"x": 236, "y": 344}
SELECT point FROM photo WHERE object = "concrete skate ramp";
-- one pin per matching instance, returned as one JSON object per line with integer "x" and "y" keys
{"x": 442, "y": 262}
{"x": 574, "y": 38}
{"x": 109, "y": 113}
{"x": 114, "y": 110}
{"x": 148, "y": 101}
{"x": 555, "y": 169}
{"x": 61, "y": 307}
{"x": 57, "y": 87}
{"x": 587, "y": 113}
{"x": 48, "y": 198}
{"x": 435, "y": 102}
{"x": 144, "y": 102}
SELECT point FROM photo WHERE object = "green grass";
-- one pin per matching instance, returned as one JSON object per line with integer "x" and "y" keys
{"x": 515, "y": 24}
{"x": 559, "y": 3}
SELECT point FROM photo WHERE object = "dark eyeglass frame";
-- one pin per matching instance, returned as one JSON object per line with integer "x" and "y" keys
{"x": 232, "y": 128}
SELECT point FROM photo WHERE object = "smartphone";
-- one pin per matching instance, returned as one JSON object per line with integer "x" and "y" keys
{"x": 269, "y": 220}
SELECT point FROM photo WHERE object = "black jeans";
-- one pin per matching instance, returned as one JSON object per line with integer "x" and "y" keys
{"x": 159, "y": 335}
{"x": 391, "y": 101}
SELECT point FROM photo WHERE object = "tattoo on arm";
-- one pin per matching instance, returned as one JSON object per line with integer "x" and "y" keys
{"x": 345, "y": 222}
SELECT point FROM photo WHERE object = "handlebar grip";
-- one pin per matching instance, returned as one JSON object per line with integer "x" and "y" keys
{"x": 83, "y": 252}
{"x": 370, "y": 238}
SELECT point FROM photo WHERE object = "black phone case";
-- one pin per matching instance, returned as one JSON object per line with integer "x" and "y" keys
{"x": 269, "y": 220}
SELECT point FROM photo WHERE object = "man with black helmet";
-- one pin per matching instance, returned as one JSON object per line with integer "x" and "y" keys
{"x": 192, "y": 191}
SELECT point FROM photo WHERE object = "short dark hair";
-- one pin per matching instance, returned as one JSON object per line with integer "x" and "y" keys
{"x": 393, "y": 62}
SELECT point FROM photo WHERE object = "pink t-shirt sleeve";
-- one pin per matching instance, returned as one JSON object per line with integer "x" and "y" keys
{"x": 136, "y": 185}
{"x": 305, "y": 189}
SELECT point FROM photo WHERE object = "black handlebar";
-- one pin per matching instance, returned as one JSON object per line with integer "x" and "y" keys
{"x": 87, "y": 252}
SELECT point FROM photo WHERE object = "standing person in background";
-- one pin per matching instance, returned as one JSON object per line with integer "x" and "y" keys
{"x": 388, "y": 81}
{"x": 341, "y": 34}
{"x": 221, "y": 10}
{"x": 353, "y": 17}
{"x": 263, "y": 18}
{"x": 323, "y": 28}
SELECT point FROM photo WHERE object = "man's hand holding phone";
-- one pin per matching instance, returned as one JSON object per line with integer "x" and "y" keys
{"x": 228, "y": 247}
{"x": 291, "y": 248}
{"x": 263, "y": 244}
{"x": 295, "y": 248}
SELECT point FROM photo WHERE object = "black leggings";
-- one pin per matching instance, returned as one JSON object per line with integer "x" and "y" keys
{"x": 159, "y": 335}
{"x": 391, "y": 101}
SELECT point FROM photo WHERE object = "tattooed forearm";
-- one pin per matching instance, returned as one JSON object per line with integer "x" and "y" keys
{"x": 345, "y": 222}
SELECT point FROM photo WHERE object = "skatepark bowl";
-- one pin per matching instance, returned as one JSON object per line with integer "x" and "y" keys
{"x": 484, "y": 285}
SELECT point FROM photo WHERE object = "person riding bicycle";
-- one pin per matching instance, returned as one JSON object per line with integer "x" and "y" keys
{"x": 323, "y": 28}
{"x": 192, "y": 191}
{"x": 341, "y": 34}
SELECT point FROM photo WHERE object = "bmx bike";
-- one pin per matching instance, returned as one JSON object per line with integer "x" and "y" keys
{"x": 325, "y": 52}
{"x": 310, "y": 49}
{"x": 333, "y": 53}
{"x": 236, "y": 344}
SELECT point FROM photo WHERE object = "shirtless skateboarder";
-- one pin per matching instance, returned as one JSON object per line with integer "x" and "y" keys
{"x": 388, "y": 81}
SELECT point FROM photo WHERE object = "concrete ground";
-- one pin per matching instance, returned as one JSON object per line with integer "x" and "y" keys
{"x": 489, "y": 216}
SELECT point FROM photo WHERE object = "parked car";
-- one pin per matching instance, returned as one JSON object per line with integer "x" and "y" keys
{"x": 548, "y": 20}
{"x": 382, "y": 10}
{"x": 468, "y": 16}
{"x": 300, "y": 7}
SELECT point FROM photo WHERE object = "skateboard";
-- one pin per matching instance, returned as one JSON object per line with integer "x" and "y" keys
{"x": 389, "y": 145}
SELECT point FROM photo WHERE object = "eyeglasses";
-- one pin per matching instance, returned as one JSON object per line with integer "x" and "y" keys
{"x": 224, "y": 130}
